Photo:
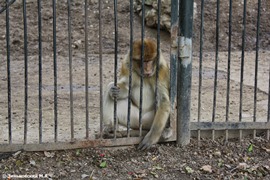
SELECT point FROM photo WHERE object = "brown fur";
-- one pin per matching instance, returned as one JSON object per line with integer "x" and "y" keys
{"x": 124, "y": 70}
{"x": 164, "y": 75}
{"x": 150, "y": 49}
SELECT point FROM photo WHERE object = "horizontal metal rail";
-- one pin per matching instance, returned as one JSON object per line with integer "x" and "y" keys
{"x": 229, "y": 125}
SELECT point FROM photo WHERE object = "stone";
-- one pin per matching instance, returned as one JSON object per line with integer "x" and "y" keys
{"x": 151, "y": 13}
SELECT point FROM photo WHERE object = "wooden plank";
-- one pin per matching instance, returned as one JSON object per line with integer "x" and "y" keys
{"x": 74, "y": 145}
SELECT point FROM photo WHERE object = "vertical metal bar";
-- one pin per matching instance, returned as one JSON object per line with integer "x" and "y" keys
{"x": 86, "y": 69}
{"x": 70, "y": 73}
{"x": 142, "y": 66}
{"x": 40, "y": 71}
{"x": 130, "y": 66}
{"x": 184, "y": 72}
{"x": 229, "y": 69}
{"x": 25, "y": 72}
{"x": 55, "y": 73}
{"x": 115, "y": 62}
{"x": 268, "y": 116}
{"x": 216, "y": 67}
{"x": 256, "y": 65}
{"x": 200, "y": 67}
{"x": 158, "y": 53}
{"x": 100, "y": 66}
{"x": 8, "y": 74}
{"x": 174, "y": 52}
{"x": 242, "y": 65}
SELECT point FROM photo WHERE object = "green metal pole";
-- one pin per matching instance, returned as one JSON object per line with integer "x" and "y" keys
{"x": 184, "y": 71}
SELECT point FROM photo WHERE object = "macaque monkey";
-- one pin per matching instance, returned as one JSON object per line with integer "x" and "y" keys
{"x": 153, "y": 122}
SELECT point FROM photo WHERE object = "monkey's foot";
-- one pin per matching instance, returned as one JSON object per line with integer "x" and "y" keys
{"x": 166, "y": 134}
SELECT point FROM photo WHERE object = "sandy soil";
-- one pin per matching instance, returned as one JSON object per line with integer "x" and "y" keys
{"x": 210, "y": 160}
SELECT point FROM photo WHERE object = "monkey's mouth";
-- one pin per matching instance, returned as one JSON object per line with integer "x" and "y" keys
{"x": 148, "y": 74}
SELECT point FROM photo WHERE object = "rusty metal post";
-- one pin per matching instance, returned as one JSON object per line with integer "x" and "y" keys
{"x": 184, "y": 72}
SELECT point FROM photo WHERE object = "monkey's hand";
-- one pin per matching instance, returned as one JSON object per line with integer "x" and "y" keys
{"x": 114, "y": 92}
{"x": 148, "y": 141}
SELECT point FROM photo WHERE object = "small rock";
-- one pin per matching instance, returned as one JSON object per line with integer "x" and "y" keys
{"x": 77, "y": 43}
{"x": 267, "y": 167}
{"x": 32, "y": 162}
{"x": 207, "y": 168}
{"x": 154, "y": 174}
{"x": 93, "y": 1}
{"x": 217, "y": 153}
{"x": 242, "y": 166}
{"x": 63, "y": 173}
{"x": 48, "y": 154}
{"x": 254, "y": 168}
{"x": 84, "y": 176}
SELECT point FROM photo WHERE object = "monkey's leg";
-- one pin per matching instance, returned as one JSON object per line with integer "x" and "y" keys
{"x": 108, "y": 105}
{"x": 122, "y": 113}
{"x": 147, "y": 120}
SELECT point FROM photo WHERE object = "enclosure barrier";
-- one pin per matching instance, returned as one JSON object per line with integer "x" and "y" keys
{"x": 240, "y": 125}
{"x": 81, "y": 133}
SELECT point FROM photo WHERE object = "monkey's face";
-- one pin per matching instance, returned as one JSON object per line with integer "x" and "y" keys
{"x": 148, "y": 67}
{"x": 150, "y": 56}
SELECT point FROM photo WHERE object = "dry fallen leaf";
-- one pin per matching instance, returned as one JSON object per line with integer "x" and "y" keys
{"x": 189, "y": 170}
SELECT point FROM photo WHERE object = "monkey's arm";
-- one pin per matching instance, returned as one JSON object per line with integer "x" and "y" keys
{"x": 121, "y": 90}
{"x": 160, "y": 119}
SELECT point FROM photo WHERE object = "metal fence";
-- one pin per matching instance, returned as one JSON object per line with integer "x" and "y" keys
{"x": 52, "y": 83}
{"x": 256, "y": 116}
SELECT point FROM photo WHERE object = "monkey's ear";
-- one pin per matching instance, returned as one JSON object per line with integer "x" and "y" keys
{"x": 150, "y": 49}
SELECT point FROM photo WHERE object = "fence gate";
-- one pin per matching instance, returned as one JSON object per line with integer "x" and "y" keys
{"x": 56, "y": 56}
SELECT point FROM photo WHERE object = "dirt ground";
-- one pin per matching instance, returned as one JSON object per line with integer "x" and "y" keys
{"x": 209, "y": 160}
{"x": 228, "y": 161}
